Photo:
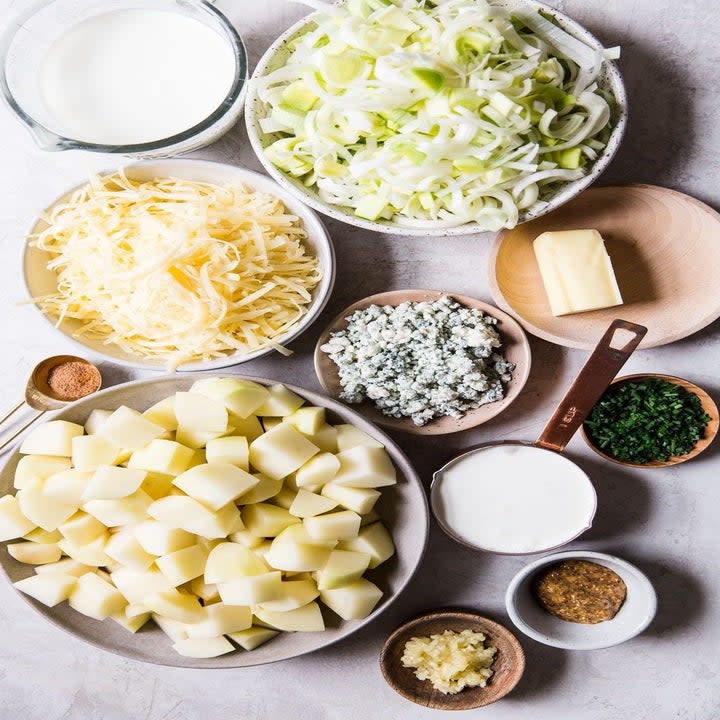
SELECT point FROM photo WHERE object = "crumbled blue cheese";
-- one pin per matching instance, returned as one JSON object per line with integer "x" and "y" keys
{"x": 422, "y": 360}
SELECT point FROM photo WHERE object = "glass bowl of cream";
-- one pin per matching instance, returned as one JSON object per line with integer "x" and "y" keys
{"x": 151, "y": 80}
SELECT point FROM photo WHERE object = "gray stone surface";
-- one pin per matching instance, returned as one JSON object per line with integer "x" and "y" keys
{"x": 665, "y": 521}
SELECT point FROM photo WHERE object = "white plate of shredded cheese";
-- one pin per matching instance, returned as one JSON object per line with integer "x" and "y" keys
{"x": 180, "y": 264}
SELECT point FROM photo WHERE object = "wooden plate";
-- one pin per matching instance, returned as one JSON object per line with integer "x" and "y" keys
{"x": 665, "y": 249}
{"x": 508, "y": 666}
{"x": 515, "y": 348}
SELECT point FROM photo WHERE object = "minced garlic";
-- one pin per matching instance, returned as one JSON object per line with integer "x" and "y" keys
{"x": 451, "y": 661}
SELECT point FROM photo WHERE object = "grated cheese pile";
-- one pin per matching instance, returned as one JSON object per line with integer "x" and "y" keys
{"x": 175, "y": 270}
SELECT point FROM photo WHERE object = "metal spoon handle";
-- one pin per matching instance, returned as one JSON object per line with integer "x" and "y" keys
{"x": 11, "y": 412}
{"x": 7, "y": 441}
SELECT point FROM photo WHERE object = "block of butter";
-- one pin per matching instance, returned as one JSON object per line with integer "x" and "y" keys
{"x": 576, "y": 271}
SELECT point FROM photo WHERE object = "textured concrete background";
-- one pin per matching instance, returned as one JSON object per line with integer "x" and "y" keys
{"x": 665, "y": 521}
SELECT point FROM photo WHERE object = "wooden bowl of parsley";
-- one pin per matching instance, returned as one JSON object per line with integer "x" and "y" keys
{"x": 651, "y": 421}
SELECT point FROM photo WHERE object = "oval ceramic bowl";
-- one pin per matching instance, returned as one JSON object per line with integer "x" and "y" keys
{"x": 41, "y": 281}
{"x": 508, "y": 665}
{"x": 665, "y": 250}
{"x": 706, "y": 402}
{"x": 277, "y": 54}
{"x": 634, "y": 616}
{"x": 515, "y": 348}
{"x": 402, "y": 507}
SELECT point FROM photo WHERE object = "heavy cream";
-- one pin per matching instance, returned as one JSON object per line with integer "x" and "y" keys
{"x": 514, "y": 499}
{"x": 135, "y": 76}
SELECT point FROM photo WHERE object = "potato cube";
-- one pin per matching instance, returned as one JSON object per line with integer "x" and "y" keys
{"x": 281, "y": 451}
{"x": 341, "y": 525}
{"x": 89, "y": 452}
{"x": 308, "y": 420}
{"x": 185, "y": 513}
{"x": 269, "y": 423}
{"x": 284, "y": 498}
{"x": 172, "y": 628}
{"x": 342, "y": 568}
{"x": 249, "y": 427}
{"x": 325, "y": 438}
{"x": 123, "y": 511}
{"x": 36, "y": 508}
{"x": 373, "y": 539}
{"x": 307, "y": 618}
{"x": 163, "y": 413}
{"x": 66, "y": 566}
{"x": 241, "y": 397}
{"x": 253, "y": 637}
{"x": 298, "y": 534}
{"x": 136, "y": 585}
{"x": 183, "y": 607}
{"x": 38, "y": 535}
{"x": 279, "y": 403}
{"x": 38, "y": 466}
{"x": 34, "y": 553}
{"x": 124, "y": 548}
{"x": 369, "y": 518}
{"x": 131, "y": 624}
{"x": 246, "y": 538}
{"x": 197, "y": 439}
{"x": 232, "y": 449}
{"x": 166, "y": 457}
{"x": 207, "y": 592}
{"x": 183, "y": 565}
{"x": 91, "y": 553}
{"x": 365, "y": 467}
{"x": 317, "y": 471}
{"x": 229, "y": 561}
{"x": 263, "y": 548}
{"x": 53, "y": 438}
{"x": 348, "y": 436}
{"x": 200, "y": 413}
{"x": 111, "y": 483}
{"x": 252, "y": 589}
{"x": 296, "y": 557}
{"x": 265, "y": 520}
{"x": 359, "y": 500}
{"x": 221, "y": 619}
{"x": 265, "y": 489}
{"x": 203, "y": 647}
{"x": 158, "y": 539}
{"x": 49, "y": 588}
{"x": 158, "y": 485}
{"x": 132, "y": 611}
{"x": 13, "y": 524}
{"x": 215, "y": 484}
{"x": 296, "y": 593}
{"x": 81, "y": 528}
{"x": 307, "y": 504}
{"x": 95, "y": 597}
{"x": 127, "y": 428}
{"x": 67, "y": 486}
{"x": 352, "y": 602}
{"x": 95, "y": 419}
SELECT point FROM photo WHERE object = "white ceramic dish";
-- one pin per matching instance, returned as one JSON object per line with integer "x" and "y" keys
{"x": 41, "y": 281}
{"x": 403, "y": 507}
{"x": 276, "y": 55}
{"x": 634, "y": 616}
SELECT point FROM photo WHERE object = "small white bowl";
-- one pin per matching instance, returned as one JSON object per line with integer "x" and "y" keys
{"x": 40, "y": 281}
{"x": 634, "y": 616}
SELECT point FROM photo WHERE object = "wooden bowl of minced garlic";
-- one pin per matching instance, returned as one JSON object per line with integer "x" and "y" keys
{"x": 452, "y": 660}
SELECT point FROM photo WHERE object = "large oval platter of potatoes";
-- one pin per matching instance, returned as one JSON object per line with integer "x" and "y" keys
{"x": 214, "y": 522}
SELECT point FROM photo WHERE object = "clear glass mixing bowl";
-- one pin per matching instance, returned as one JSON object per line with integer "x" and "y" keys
{"x": 26, "y": 40}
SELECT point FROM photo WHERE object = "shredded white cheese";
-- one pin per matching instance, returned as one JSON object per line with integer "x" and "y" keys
{"x": 177, "y": 270}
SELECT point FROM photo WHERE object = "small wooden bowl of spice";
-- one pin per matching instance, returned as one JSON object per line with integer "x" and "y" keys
{"x": 651, "y": 421}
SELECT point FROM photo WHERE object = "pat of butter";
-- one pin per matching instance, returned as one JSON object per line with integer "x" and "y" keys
{"x": 576, "y": 271}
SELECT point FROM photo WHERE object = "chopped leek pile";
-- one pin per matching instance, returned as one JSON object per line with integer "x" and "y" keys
{"x": 435, "y": 114}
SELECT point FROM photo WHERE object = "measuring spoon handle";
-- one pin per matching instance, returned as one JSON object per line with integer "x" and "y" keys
{"x": 610, "y": 354}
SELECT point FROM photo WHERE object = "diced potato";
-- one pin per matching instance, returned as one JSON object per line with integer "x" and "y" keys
{"x": 265, "y": 489}
{"x": 53, "y": 438}
{"x": 348, "y": 436}
{"x": 95, "y": 419}
{"x": 221, "y": 619}
{"x": 307, "y": 504}
{"x": 91, "y": 553}
{"x": 228, "y": 519}
{"x": 111, "y": 483}
{"x": 66, "y": 566}
{"x": 341, "y": 525}
{"x": 36, "y": 508}
{"x": 95, "y": 597}
{"x": 229, "y": 561}
{"x": 253, "y": 637}
{"x": 163, "y": 413}
{"x": 317, "y": 471}
{"x": 265, "y": 520}
{"x": 133, "y": 611}
{"x": 81, "y": 528}
{"x": 359, "y": 500}
{"x": 38, "y": 466}
{"x": 241, "y": 397}
{"x": 308, "y": 420}
{"x": 124, "y": 548}
{"x": 279, "y": 403}
{"x": 197, "y": 439}
{"x": 127, "y": 428}
{"x": 246, "y": 538}
{"x": 352, "y": 602}
{"x": 132, "y": 624}
{"x": 91, "y": 451}
{"x": 172, "y": 628}
{"x": 34, "y": 553}
{"x": 158, "y": 539}
{"x": 13, "y": 524}
{"x": 365, "y": 467}
{"x": 298, "y": 534}
{"x": 281, "y": 451}
{"x": 157, "y": 485}
{"x": 296, "y": 593}
{"x": 215, "y": 484}
{"x": 325, "y": 438}
{"x": 284, "y": 498}
{"x": 249, "y": 427}
{"x": 232, "y": 449}
{"x": 183, "y": 607}
{"x": 269, "y": 423}
{"x": 48, "y": 588}
{"x": 252, "y": 589}
{"x": 207, "y": 592}
{"x": 38, "y": 535}
{"x": 304, "y": 619}
{"x": 263, "y": 548}
{"x": 342, "y": 568}
{"x": 67, "y": 486}
{"x": 369, "y": 518}
{"x": 185, "y": 513}
{"x": 123, "y": 511}
{"x": 136, "y": 585}
{"x": 373, "y": 539}
{"x": 183, "y": 565}
{"x": 162, "y": 456}
{"x": 200, "y": 413}
{"x": 203, "y": 647}
{"x": 296, "y": 557}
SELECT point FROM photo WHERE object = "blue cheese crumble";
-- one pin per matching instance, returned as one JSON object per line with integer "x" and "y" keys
{"x": 422, "y": 360}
